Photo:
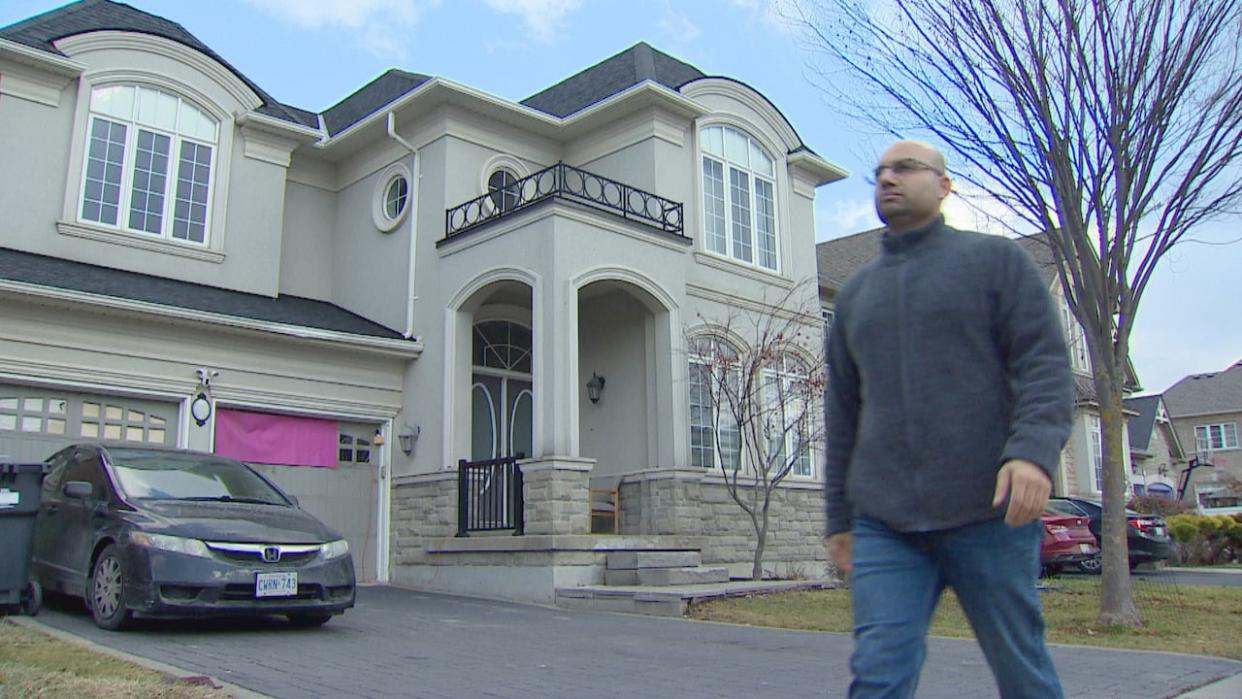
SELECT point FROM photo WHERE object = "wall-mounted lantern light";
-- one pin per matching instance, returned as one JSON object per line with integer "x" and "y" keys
{"x": 406, "y": 438}
{"x": 595, "y": 387}
{"x": 200, "y": 409}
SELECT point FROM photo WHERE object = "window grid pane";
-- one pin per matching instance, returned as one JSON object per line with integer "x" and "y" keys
{"x": 105, "y": 161}
{"x": 739, "y": 196}
{"x": 150, "y": 182}
{"x": 765, "y": 223}
{"x": 193, "y": 177}
{"x": 714, "y": 206}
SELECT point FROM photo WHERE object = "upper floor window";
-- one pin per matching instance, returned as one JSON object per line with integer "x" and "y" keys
{"x": 148, "y": 164}
{"x": 1214, "y": 437}
{"x": 502, "y": 188}
{"x": 739, "y": 197}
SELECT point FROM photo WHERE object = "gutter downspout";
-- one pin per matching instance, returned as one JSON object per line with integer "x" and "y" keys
{"x": 416, "y": 176}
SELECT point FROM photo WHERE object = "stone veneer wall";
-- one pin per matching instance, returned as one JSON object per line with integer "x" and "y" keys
{"x": 691, "y": 503}
{"x": 424, "y": 509}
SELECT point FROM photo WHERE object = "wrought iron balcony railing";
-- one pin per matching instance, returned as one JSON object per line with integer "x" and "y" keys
{"x": 571, "y": 183}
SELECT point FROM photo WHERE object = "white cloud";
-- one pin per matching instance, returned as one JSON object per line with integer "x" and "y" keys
{"x": 542, "y": 17}
{"x": 852, "y": 215}
{"x": 972, "y": 208}
{"x": 381, "y": 26}
{"x": 678, "y": 26}
{"x": 776, "y": 14}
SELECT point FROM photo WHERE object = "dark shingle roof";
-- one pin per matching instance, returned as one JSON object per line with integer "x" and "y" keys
{"x": 1140, "y": 426}
{"x": 41, "y": 31}
{"x": 632, "y": 66}
{"x": 839, "y": 258}
{"x": 369, "y": 98}
{"x": 1040, "y": 249}
{"x": 1220, "y": 392}
{"x": 78, "y": 276}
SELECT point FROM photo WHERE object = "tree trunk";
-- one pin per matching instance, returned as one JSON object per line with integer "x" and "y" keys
{"x": 756, "y": 569}
{"x": 1116, "y": 596}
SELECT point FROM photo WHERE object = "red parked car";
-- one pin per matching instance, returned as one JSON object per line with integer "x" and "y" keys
{"x": 1067, "y": 541}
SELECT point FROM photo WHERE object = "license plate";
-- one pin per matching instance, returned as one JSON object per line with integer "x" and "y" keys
{"x": 1158, "y": 531}
{"x": 276, "y": 584}
{"x": 1084, "y": 548}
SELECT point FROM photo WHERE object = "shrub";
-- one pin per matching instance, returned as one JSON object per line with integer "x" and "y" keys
{"x": 1159, "y": 505}
{"x": 1204, "y": 539}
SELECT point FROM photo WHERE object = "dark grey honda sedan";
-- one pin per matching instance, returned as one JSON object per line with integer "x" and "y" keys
{"x": 165, "y": 532}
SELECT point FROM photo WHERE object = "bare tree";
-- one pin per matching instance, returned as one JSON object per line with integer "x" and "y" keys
{"x": 756, "y": 387}
{"x": 1112, "y": 127}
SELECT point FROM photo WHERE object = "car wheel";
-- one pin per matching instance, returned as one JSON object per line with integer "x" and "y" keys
{"x": 33, "y": 601}
{"x": 1091, "y": 565}
{"x": 107, "y": 592}
{"x": 309, "y": 619}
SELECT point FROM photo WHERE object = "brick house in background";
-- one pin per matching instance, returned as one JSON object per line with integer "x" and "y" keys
{"x": 1206, "y": 410}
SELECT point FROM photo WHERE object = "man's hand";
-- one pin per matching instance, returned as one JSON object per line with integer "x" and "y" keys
{"x": 841, "y": 552}
{"x": 1027, "y": 487}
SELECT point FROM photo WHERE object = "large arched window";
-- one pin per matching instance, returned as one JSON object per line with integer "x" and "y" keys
{"x": 148, "y": 165}
{"x": 739, "y": 197}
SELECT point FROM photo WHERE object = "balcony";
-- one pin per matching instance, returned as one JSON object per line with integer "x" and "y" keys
{"x": 569, "y": 183}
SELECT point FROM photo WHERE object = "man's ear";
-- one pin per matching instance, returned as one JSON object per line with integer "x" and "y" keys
{"x": 946, "y": 187}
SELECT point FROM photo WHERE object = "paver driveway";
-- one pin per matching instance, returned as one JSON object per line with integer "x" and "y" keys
{"x": 401, "y": 643}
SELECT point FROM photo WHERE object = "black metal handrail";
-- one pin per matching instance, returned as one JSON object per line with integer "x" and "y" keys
{"x": 566, "y": 182}
{"x": 489, "y": 496}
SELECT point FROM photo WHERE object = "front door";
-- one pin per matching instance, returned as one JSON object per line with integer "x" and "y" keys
{"x": 501, "y": 398}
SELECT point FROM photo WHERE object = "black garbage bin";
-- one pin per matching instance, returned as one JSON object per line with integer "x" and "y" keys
{"x": 21, "y": 486}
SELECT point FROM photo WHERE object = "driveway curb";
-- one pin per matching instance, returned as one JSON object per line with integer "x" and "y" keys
{"x": 176, "y": 672}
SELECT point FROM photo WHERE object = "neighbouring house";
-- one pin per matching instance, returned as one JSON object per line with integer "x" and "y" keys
{"x": 1206, "y": 410}
{"x": 1156, "y": 454}
{"x": 360, "y": 299}
{"x": 1080, "y": 471}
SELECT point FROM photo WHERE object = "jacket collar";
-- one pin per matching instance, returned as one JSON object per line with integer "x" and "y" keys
{"x": 893, "y": 243}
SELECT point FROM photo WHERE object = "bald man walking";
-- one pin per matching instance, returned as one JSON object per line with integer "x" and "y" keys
{"x": 949, "y": 400}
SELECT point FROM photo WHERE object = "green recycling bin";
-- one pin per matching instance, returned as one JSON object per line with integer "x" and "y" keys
{"x": 21, "y": 487}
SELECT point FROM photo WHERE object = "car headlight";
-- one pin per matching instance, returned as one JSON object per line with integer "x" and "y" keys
{"x": 174, "y": 544}
{"x": 334, "y": 549}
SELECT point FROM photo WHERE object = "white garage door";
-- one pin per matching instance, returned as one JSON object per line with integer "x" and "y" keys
{"x": 35, "y": 421}
{"x": 343, "y": 497}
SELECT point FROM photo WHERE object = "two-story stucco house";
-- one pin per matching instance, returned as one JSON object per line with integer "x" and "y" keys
{"x": 1156, "y": 454}
{"x": 1206, "y": 410}
{"x": 358, "y": 299}
{"x": 1080, "y": 471}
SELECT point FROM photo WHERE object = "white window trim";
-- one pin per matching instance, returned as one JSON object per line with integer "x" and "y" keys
{"x": 1225, "y": 444}
{"x": 1095, "y": 452}
{"x": 698, "y": 359}
{"x": 379, "y": 211}
{"x": 71, "y": 225}
{"x": 777, "y": 197}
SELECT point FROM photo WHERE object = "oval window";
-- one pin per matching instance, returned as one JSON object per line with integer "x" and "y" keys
{"x": 395, "y": 197}
{"x": 391, "y": 200}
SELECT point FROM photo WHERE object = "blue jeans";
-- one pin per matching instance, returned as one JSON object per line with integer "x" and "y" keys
{"x": 897, "y": 580}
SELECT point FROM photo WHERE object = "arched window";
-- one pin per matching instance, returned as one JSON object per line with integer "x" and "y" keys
{"x": 713, "y": 424}
{"x": 148, "y": 165}
{"x": 739, "y": 197}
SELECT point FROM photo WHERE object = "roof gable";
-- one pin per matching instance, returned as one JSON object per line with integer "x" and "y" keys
{"x": 369, "y": 98}
{"x": 42, "y": 31}
{"x": 1197, "y": 394}
{"x": 635, "y": 65}
{"x": 1141, "y": 424}
{"x": 839, "y": 258}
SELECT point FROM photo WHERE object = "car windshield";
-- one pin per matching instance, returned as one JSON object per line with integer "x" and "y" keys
{"x": 171, "y": 476}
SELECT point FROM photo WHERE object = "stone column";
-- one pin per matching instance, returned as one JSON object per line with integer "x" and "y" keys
{"x": 664, "y": 501}
{"x": 557, "y": 501}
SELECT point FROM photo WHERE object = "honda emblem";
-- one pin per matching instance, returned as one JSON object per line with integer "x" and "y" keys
{"x": 271, "y": 554}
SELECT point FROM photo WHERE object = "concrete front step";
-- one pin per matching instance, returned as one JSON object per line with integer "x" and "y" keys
{"x": 654, "y": 577}
{"x": 634, "y": 560}
{"x": 672, "y": 600}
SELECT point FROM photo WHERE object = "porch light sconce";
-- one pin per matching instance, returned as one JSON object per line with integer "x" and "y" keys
{"x": 406, "y": 438}
{"x": 595, "y": 387}
{"x": 200, "y": 409}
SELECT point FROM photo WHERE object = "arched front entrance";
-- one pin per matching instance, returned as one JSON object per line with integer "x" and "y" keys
{"x": 501, "y": 392}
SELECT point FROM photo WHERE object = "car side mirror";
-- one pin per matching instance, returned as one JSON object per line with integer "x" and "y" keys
{"x": 80, "y": 490}
{"x": 293, "y": 499}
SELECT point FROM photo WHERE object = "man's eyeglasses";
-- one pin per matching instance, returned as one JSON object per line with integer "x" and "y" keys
{"x": 903, "y": 167}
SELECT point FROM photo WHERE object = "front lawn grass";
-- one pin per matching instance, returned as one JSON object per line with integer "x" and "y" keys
{"x": 35, "y": 664}
{"x": 1177, "y": 618}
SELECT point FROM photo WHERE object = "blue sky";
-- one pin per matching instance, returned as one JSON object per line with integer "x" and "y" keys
{"x": 313, "y": 53}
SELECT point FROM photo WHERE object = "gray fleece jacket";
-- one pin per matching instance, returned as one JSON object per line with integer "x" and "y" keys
{"x": 946, "y": 359}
